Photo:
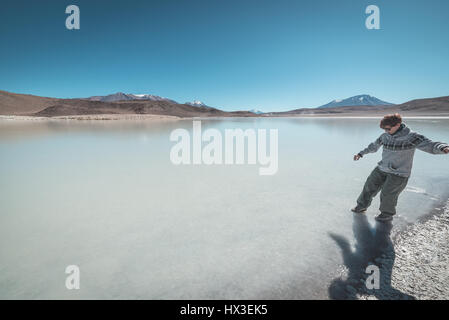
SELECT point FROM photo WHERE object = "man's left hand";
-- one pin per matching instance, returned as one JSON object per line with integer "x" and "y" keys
{"x": 446, "y": 150}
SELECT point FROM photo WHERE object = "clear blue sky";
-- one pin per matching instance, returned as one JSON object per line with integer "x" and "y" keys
{"x": 265, "y": 54}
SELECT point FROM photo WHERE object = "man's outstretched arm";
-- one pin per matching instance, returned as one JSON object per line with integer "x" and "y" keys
{"x": 373, "y": 147}
{"x": 424, "y": 144}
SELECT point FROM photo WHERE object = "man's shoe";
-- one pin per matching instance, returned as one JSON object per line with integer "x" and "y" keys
{"x": 384, "y": 217}
{"x": 358, "y": 209}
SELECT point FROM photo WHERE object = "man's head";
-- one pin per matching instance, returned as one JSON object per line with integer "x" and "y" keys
{"x": 391, "y": 123}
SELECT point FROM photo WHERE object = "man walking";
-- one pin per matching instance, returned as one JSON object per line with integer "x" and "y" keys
{"x": 393, "y": 171}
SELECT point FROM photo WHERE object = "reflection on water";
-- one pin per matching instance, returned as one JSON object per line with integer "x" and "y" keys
{"x": 104, "y": 195}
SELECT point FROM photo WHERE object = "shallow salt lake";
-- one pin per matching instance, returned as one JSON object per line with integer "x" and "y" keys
{"x": 104, "y": 195}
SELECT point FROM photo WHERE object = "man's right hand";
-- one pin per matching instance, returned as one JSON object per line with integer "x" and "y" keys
{"x": 357, "y": 157}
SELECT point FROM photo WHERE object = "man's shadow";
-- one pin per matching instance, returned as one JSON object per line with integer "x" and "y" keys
{"x": 373, "y": 247}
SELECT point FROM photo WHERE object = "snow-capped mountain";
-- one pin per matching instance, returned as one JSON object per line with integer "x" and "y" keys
{"x": 360, "y": 100}
{"x": 120, "y": 96}
{"x": 256, "y": 111}
{"x": 196, "y": 103}
{"x": 149, "y": 97}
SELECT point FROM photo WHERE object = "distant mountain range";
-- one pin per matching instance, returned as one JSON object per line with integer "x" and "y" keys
{"x": 120, "y": 96}
{"x": 120, "y": 103}
{"x": 360, "y": 100}
{"x": 420, "y": 107}
{"x": 116, "y": 104}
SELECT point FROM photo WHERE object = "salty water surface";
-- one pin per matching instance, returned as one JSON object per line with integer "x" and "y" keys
{"x": 104, "y": 195}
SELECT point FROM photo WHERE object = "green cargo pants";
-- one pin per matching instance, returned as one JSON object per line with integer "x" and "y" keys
{"x": 391, "y": 186}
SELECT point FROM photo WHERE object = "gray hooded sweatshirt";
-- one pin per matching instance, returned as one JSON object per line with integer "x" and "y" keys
{"x": 399, "y": 149}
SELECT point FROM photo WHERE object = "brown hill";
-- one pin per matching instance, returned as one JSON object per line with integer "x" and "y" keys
{"x": 22, "y": 104}
{"x": 440, "y": 104}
